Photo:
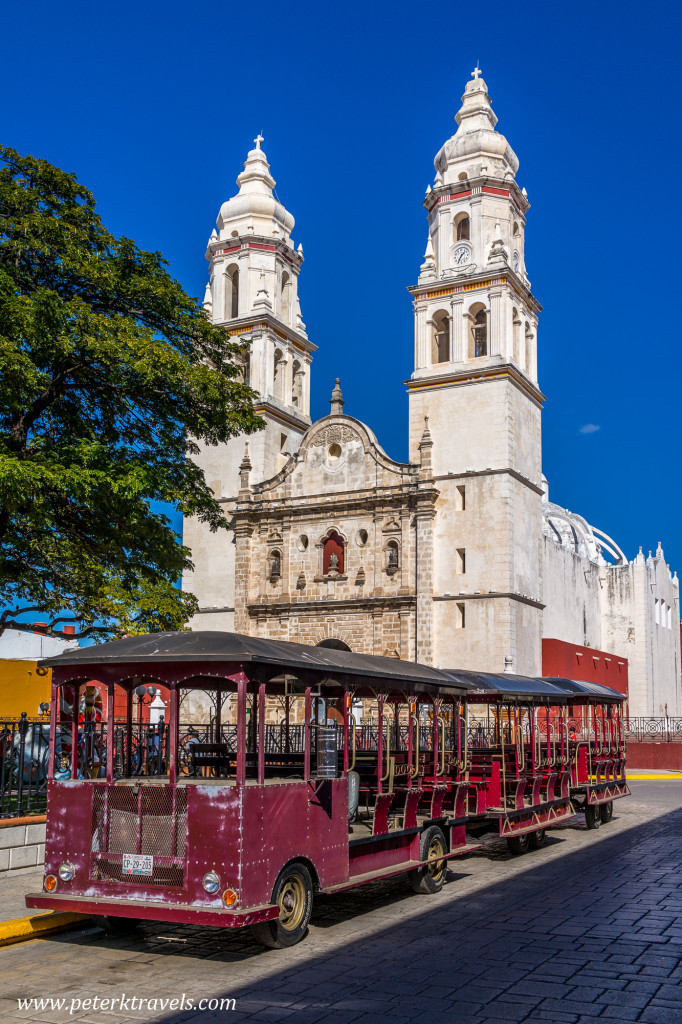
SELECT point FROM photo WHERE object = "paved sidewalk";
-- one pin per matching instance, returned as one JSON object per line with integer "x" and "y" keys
{"x": 587, "y": 930}
{"x": 13, "y": 887}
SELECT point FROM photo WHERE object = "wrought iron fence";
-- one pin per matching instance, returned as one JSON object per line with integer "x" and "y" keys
{"x": 24, "y": 747}
{"x": 665, "y": 730}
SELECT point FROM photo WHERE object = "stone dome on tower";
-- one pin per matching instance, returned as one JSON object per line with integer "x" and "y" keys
{"x": 254, "y": 210}
{"x": 475, "y": 149}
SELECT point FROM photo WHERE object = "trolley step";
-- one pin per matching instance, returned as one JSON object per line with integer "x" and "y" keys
{"x": 396, "y": 869}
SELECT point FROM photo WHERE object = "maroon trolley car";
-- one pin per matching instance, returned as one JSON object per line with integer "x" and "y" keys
{"x": 282, "y": 792}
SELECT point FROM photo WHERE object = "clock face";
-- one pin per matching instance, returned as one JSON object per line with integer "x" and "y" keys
{"x": 461, "y": 255}
{"x": 515, "y": 260}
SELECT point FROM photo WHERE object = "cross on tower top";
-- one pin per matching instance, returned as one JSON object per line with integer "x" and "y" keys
{"x": 476, "y": 72}
{"x": 259, "y": 138}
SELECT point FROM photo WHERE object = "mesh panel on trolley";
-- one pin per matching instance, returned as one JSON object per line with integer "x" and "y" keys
{"x": 151, "y": 820}
{"x": 122, "y": 823}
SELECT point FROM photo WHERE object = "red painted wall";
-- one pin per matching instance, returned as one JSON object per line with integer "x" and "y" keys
{"x": 120, "y": 702}
{"x": 586, "y": 664}
{"x": 654, "y": 755}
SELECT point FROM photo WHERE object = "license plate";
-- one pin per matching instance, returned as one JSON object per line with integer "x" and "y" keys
{"x": 138, "y": 864}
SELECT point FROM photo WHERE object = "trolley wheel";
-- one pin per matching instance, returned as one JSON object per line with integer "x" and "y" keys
{"x": 430, "y": 878}
{"x": 606, "y": 812}
{"x": 293, "y": 893}
{"x": 519, "y": 844}
{"x": 592, "y": 815}
{"x": 115, "y": 925}
{"x": 537, "y": 839}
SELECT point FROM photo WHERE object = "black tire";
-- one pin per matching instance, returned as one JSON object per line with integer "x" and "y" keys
{"x": 606, "y": 812}
{"x": 592, "y": 816}
{"x": 519, "y": 844}
{"x": 115, "y": 925}
{"x": 430, "y": 878}
{"x": 537, "y": 839}
{"x": 294, "y": 893}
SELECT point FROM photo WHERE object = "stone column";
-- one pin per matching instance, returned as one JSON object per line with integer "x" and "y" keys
{"x": 287, "y": 376}
{"x": 305, "y": 387}
{"x": 423, "y": 524}
{"x": 457, "y": 330}
{"x": 218, "y": 291}
{"x": 479, "y": 253}
{"x": 288, "y": 584}
{"x": 497, "y": 334}
{"x": 420, "y": 331}
{"x": 242, "y": 567}
{"x": 261, "y": 359}
{"x": 533, "y": 352}
{"x": 246, "y": 299}
{"x": 444, "y": 238}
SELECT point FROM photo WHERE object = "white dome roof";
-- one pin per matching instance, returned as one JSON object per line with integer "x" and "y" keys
{"x": 254, "y": 209}
{"x": 573, "y": 532}
{"x": 476, "y": 148}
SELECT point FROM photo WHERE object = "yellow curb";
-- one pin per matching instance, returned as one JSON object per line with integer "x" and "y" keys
{"x": 668, "y": 775}
{"x": 23, "y": 928}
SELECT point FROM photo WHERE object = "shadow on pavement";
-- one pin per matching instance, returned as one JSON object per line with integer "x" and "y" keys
{"x": 592, "y": 934}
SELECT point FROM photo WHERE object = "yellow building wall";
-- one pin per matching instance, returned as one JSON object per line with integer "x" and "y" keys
{"x": 23, "y": 687}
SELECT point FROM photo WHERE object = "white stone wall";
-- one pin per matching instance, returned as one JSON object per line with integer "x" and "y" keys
{"x": 649, "y": 636}
{"x": 21, "y": 846}
{"x": 572, "y": 597}
{"x": 614, "y": 608}
{"x": 486, "y": 440}
{"x": 21, "y": 646}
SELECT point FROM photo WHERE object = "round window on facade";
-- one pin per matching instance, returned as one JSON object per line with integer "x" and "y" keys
{"x": 302, "y": 542}
{"x": 361, "y": 538}
{"x": 334, "y": 452}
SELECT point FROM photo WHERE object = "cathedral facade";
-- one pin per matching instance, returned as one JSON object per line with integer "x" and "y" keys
{"x": 456, "y": 558}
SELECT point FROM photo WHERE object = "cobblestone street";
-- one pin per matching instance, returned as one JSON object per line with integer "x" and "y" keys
{"x": 588, "y": 928}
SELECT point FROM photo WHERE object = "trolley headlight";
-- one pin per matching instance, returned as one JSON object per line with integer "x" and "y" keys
{"x": 66, "y": 871}
{"x": 50, "y": 883}
{"x": 211, "y": 882}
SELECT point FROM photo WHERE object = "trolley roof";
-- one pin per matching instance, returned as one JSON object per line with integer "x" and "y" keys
{"x": 231, "y": 648}
{"x": 576, "y": 688}
{"x": 214, "y": 646}
{"x": 546, "y": 689}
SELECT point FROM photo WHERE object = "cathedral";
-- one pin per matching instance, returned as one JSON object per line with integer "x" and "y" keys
{"x": 457, "y": 558}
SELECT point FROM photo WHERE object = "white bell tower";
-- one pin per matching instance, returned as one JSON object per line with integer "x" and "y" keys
{"x": 253, "y": 292}
{"x": 475, "y": 377}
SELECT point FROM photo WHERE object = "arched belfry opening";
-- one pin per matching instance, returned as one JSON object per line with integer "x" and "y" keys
{"x": 478, "y": 331}
{"x": 232, "y": 293}
{"x": 440, "y": 349}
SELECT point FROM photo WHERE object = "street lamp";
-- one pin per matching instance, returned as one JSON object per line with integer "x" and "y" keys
{"x": 142, "y": 692}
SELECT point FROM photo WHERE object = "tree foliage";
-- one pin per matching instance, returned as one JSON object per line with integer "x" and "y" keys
{"x": 110, "y": 378}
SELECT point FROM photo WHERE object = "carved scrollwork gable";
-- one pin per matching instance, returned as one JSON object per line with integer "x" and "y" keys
{"x": 335, "y": 433}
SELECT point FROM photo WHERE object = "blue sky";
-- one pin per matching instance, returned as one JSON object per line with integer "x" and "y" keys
{"x": 154, "y": 106}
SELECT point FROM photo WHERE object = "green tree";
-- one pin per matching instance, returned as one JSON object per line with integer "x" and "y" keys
{"x": 110, "y": 378}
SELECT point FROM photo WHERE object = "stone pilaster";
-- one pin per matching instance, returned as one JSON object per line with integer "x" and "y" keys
{"x": 458, "y": 326}
{"x": 423, "y": 525}
{"x": 421, "y": 356}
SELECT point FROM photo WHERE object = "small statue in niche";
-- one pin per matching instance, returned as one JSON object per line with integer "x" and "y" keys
{"x": 333, "y": 562}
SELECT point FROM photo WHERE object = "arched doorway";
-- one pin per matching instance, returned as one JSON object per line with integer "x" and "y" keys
{"x": 333, "y": 644}
{"x": 334, "y": 713}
